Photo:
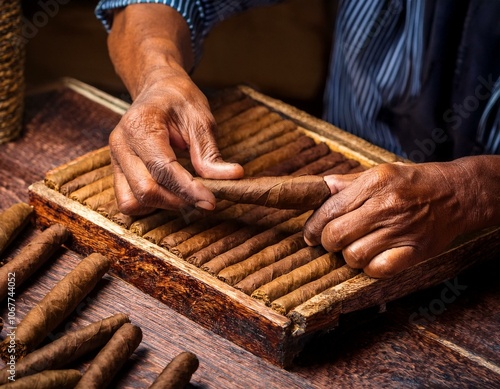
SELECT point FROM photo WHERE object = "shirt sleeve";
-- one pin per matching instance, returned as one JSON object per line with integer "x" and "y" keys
{"x": 200, "y": 15}
{"x": 489, "y": 126}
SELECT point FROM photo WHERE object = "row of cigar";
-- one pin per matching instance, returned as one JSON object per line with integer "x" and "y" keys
{"x": 28, "y": 366}
{"x": 257, "y": 249}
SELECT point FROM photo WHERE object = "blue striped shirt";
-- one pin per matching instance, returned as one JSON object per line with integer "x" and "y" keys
{"x": 377, "y": 64}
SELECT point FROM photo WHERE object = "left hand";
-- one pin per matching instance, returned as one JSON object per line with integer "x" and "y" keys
{"x": 392, "y": 216}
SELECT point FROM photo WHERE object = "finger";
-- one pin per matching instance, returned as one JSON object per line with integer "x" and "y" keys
{"x": 127, "y": 203}
{"x": 346, "y": 229}
{"x": 207, "y": 159}
{"x": 338, "y": 182}
{"x": 393, "y": 261}
{"x": 146, "y": 192}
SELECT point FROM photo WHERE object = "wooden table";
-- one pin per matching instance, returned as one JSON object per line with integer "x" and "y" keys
{"x": 446, "y": 336}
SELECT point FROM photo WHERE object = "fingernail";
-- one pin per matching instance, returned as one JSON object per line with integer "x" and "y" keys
{"x": 205, "y": 205}
{"x": 309, "y": 243}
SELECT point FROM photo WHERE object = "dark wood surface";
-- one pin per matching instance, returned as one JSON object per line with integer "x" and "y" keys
{"x": 445, "y": 336}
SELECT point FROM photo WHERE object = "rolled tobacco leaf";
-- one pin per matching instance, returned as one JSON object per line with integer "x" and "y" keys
{"x": 86, "y": 179}
{"x": 68, "y": 348}
{"x": 178, "y": 372}
{"x": 305, "y": 292}
{"x": 90, "y": 161}
{"x": 111, "y": 358}
{"x": 228, "y": 111}
{"x": 12, "y": 222}
{"x": 321, "y": 165}
{"x": 32, "y": 256}
{"x": 92, "y": 189}
{"x": 298, "y": 277}
{"x": 56, "y": 306}
{"x": 224, "y": 97}
{"x": 104, "y": 197}
{"x": 276, "y": 269}
{"x": 146, "y": 224}
{"x": 235, "y": 273}
{"x": 288, "y": 192}
{"x": 48, "y": 379}
{"x": 250, "y": 115}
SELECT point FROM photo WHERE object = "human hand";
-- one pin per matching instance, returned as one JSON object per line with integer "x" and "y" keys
{"x": 393, "y": 215}
{"x": 169, "y": 111}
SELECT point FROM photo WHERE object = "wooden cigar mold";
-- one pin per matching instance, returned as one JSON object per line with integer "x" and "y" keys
{"x": 223, "y": 308}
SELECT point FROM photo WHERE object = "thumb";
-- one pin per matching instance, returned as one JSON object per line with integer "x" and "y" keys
{"x": 207, "y": 159}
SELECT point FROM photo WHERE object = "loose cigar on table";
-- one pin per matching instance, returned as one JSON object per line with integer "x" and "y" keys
{"x": 276, "y": 269}
{"x": 297, "y": 277}
{"x": 256, "y": 243}
{"x": 235, "y": 273}
{"x": 271, "y": 131}
{"x": 32, "y": 257}
{"x": 111, "y": 358}
{"x": 178, "y": 372}
{"x": 12, "y": 222}
{"x": 48, "y": 379}
{"x": 288, "y": 192}
{"x": 146, "y": 224}
{"x": 228, "y": 111}
{"x": 265, "y": 161}
{"x": 224, "y": 97}
{"x": 68, "y": 348}
{"x": 296, "y": 162}
{"x": 264, "y": 148}
{"x": 92, "y": 189}
{"x": 56, "y": 305}
{"x": 99, "y": 199}
{"x": 250, "y": 115}
{"x": 293, "y": 299}
{"x": 86, "y": 179}
{"x": 90, "y": 161}
{"x": 323, "y": 164}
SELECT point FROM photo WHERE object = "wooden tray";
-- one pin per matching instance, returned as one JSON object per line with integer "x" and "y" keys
{"x": 224, "y": 309}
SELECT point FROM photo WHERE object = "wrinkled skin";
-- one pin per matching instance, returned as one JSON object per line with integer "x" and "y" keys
{"x": 396, "y": 215}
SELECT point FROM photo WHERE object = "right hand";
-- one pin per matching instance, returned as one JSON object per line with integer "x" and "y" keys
{"x": 169, "y": 111}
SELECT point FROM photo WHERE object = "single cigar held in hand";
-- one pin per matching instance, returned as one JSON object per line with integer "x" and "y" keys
{"x": 288, "y": 192}
{"x": 178, "y": 372}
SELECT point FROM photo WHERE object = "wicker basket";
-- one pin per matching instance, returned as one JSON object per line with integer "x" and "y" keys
{"x": 11, "y": 70}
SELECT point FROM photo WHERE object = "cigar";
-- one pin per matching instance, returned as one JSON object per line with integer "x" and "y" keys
{"x": 12, "y": 222}
{"x": 109, "y": 209}
{"x": 178, "y": 372}
{"x": 144, "y": 225}
{"x": 256, "y": 243}
{"x": 276, "y": 269}
{"x": 272, "y": 158}
{"x": 225, "y": 97}
{"x": 111, "y": 358}
{"x": 228, "y": 111}
{"x": 32, "y": 257}
{"x": 272, "y": 131}
{"x": 205, "y": 238}
{"x": 293, "y": 299}
{"x": 184, "y": 234}
{"x": 298, "y": 161}
{"x": 342, "y": 168}
{"x": 92, "y": 189}
{"x": 288, "y": 192}
{"x": 247, "y": 130}
{"x": 56, "y": 305}
{"x": 235, "y": 273}
{"x": 321, "y": 165}
{"x": 90, "y": 161}
{"x": 48, "y": 379}
{"x": 258, "y": 150}
{"x": 86, "y": 179}
{"x": 296, "y": 278}
{"x": 251, "y": 115}
{"x": 123, "y": 220}
{"x": 68, "y": 348}
{"x": 99, "y": 199}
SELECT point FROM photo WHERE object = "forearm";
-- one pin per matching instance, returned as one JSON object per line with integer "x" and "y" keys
{"x": 479, "y": 189}
{"x": 148, "y": 41}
